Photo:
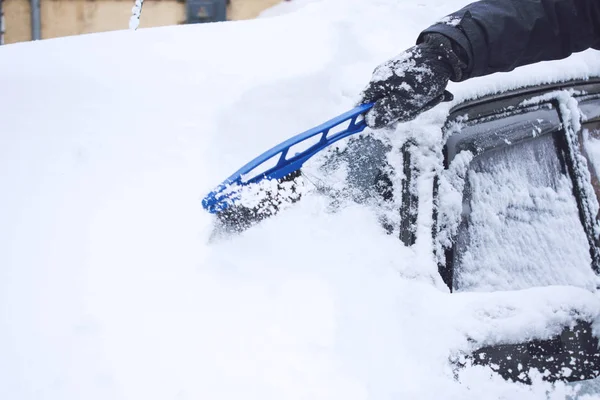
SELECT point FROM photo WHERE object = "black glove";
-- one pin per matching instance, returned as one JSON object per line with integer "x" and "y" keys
{"x": 412, "y": 82}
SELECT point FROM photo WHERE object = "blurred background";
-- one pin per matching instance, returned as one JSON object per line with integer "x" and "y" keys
{"x": 24, "y": 20}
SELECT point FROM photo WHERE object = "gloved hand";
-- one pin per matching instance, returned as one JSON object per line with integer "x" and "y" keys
{"x": 412, "y": 82}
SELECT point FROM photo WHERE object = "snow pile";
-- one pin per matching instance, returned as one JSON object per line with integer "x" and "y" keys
{"x": 109, "y": 285}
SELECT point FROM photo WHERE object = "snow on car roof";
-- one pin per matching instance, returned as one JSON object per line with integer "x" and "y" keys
{"x": 109, "y": 286}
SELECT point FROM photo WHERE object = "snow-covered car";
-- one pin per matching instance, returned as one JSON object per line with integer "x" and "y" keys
{"x": 525, "y": 163}
{"x": 513, "y": 205}
{"x": 420, "y": 258}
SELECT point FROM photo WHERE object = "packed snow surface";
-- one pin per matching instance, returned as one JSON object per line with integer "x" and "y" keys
{"x": 112, "y": 285}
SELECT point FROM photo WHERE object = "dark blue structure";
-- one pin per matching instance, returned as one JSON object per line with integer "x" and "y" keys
{"x": 199, "y": 11}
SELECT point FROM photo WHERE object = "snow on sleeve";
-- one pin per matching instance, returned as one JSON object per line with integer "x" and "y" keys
{"x": 450, "y": 20}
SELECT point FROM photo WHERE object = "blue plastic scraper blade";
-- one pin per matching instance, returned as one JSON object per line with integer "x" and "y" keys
{"x": 287, "y": 167}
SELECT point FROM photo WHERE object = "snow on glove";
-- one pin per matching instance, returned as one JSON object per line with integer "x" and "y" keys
{"x": 412, "y": 82}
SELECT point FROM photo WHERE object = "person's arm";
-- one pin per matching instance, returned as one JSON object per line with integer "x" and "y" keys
{"x": 484, "y": 37}
{"x": 500, "y": 35}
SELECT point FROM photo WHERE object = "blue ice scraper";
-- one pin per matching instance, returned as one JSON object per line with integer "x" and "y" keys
{"x": 259, "y": 188}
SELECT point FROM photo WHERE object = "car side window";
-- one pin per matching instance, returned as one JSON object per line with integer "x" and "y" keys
{"x": 520, "y": 223}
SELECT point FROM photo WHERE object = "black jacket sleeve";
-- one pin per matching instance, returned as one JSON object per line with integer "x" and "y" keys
{"x": 500, "y": 35}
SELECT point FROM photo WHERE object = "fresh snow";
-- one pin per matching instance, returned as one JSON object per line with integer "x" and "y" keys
{"x": 111, "y": 282}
